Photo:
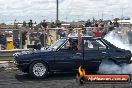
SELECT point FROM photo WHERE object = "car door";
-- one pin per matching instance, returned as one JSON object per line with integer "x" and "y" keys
{"x": 68, "y": 59}
{"x": 94, "y": 52}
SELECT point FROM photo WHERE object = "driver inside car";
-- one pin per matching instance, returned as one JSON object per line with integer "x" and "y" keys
{"x": 71, "y": 45}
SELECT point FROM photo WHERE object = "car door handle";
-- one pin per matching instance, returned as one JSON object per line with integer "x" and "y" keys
{"x": 103, "y": 52}
{"x": 78, "y": 53}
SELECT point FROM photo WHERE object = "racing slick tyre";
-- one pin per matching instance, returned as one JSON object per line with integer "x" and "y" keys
{"x": 38, "y": 69}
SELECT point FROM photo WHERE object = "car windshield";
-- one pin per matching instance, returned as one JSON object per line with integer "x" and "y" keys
{"x": 57, "y": 44}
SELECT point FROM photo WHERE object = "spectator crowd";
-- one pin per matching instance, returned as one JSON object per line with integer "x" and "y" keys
{"x": 39, "y": 34}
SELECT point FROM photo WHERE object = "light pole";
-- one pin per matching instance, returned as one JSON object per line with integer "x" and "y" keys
{"x": 102, "y": 15}
{"x": 57, "y": 11}
{"x": 66, "y": 18}
{"x": 122, "y": 13}
{"x": 98, "y": 14}
{"x": 112, "y": 16}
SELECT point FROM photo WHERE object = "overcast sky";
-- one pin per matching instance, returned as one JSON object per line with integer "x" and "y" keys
{"x": 69, "y": 9}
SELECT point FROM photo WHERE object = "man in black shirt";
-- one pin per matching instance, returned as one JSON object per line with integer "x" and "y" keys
{"x": 44, "y": 24}
{"x": 88, "y": 24}
{"x": 115, "y": 23}
{"x": 30, "y": 24}
{"x": 43, "y": 36}
{"x": 24, "y": 24}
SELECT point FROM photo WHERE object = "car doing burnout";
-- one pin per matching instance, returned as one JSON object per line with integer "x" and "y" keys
{"x": 64, "y": 56}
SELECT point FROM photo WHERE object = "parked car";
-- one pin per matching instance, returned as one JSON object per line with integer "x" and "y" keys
{"x": 64, "y": 56}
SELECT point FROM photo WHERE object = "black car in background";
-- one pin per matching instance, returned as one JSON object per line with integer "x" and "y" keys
{"x": 64, "y": 56}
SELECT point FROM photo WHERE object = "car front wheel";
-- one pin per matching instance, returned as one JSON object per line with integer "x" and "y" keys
{"x": 38, "y": 69}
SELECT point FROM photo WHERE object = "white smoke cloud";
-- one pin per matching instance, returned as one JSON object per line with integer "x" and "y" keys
{"x": 117, "y": 40}
{"x": 109, "y": 67}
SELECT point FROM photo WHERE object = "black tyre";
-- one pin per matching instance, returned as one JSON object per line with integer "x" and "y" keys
{"x": 38, "y": 69}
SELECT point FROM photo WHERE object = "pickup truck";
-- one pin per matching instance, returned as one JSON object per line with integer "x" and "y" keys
{"x": 64, "y": 56}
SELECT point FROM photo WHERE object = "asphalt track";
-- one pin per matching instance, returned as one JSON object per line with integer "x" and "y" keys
{"x": 17, "y": 79}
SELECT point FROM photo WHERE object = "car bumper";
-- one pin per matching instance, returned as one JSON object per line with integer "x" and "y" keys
{"x": 22, "y": 67}
{"x": 130, "y": 62}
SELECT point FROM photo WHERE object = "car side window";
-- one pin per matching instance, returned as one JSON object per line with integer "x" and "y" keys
{"x": 93, "y": 45}
{"x": 70, "y": 45}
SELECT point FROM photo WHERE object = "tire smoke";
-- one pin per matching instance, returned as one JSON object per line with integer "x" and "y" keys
{"x": 116, "y": 39}
{"x": 109, "y": 67}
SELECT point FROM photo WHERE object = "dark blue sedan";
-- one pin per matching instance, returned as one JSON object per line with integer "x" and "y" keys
{"x": 64, "y": 56}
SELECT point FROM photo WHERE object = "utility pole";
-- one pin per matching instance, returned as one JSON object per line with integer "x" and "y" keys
{"x": 102, "y": 15}
{"x": 57, "y": 11}
{"x": 112, "y": 16}
{"x": 98, "y": 14}
{"x": 66, "y": 18}
{"x": 122, "y": 13}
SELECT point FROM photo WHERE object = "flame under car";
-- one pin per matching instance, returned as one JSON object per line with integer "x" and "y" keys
{"x": 64, "y": 56}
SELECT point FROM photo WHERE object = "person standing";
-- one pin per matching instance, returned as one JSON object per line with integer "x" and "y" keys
{"x": 79, "y": 40}
{"x": 44, "y": 26}
{"x": 72, "y": 33}
{"x": 31, "y": 36}
{"x": 43, "y": 38}
{"x": 98, "y": 32}
{"x": 3, "y": 40}
{"x": 37, "y": 36}
{"x": 62, "y": 34}
{"x": 24, "y": 38}
{"x": 115, "y": 23}
{"x": 24, "y": 24}
{"x": 88, "y": 23}
{"x": 15, "y": 24}
{"x": 87, "y": 29}
{"x": 30, "y": 24}
{"x": 16, "y": 41}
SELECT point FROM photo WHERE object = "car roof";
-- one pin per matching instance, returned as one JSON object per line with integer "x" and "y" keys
{"x": 84, "y": 37}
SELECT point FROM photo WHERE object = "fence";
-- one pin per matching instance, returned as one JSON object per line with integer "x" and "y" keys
{"x": 14, "y": 37}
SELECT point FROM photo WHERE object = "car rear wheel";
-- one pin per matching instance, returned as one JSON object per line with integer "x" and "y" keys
{"x": 38, "y": 69}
